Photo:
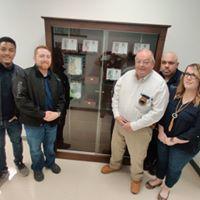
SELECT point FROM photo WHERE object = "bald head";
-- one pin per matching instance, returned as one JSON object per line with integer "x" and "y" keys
{"x": 169, "y": 64}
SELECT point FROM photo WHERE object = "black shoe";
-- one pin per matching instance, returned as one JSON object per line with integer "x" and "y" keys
{"x": 55, "y": 168}
{"x": 38, "y": 176}
{"x": 23, "y": 170}
{"x": 4, "y": 176}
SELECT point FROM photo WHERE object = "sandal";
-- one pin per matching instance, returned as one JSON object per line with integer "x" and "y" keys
{"x": 162, "y": 198}
{"x": 150, "y": 187}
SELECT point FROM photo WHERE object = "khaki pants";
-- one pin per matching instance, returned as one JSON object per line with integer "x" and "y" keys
{"x": 137, "y": 143}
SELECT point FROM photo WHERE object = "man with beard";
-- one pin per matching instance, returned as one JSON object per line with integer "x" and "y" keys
{"x": 169, "y": 69}
{"x": 170, "y": 72}
{"x": 40, "y": 99}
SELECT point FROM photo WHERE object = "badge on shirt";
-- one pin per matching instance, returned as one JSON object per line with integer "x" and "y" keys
{"x": 143, "y": 99}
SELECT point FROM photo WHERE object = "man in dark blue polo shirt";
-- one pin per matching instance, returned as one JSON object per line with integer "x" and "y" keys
{"x": 170, "y": 72}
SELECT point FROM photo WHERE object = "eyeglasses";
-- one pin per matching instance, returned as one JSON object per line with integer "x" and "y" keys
{"x": 191, "y": 75}
{"x": 167, "y": 62}
{"x": 143, "y": 62}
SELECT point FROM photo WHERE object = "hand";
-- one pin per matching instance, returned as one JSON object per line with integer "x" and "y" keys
{"x": 180, "y": 141}
{"x": 50, "y": 116}
{"x": 122, "y": 121}
{"x": 127, "y": 126}
{"x": 174, "y": 140}
{"x": 169, "y": 141}
{"x": 162, "y": 136}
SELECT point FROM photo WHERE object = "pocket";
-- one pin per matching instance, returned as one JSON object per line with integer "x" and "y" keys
{"x": 144, "y": 108}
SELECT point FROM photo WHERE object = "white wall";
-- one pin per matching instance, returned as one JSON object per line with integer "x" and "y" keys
{"x": 21, "y": 19}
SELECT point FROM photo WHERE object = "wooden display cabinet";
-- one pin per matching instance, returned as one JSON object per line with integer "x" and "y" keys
{"x": 94, "y": 55}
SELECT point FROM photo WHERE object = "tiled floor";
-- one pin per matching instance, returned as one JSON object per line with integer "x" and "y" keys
{"x": 83, "y": 181}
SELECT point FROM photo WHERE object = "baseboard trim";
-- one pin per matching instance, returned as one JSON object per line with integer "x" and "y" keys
{"x": 195, "y": 166}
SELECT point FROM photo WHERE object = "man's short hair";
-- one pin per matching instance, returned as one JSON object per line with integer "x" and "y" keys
{"x": 148, "y": 51}
{"x": 41, "y": 47}
{"x": 8, "y": 39}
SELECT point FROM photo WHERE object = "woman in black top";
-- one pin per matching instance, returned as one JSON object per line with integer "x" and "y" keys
{"x": 179, "y": 131}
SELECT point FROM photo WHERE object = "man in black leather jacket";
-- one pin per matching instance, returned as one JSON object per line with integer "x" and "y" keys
{"x": 40, "y": 100}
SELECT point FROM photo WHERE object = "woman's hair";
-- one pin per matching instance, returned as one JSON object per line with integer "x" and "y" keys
{"x": 181, "y": 89}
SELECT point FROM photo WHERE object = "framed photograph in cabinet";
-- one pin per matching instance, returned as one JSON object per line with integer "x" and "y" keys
{"x": 120, "y": 47}
{"x": 90, "y": 46}
{"x": 69, "y": 44}
{"x": 75, "y": 89}
{"x": 113, "y": 74}
{"x": 74, "y": 65}
{"x": 139, "y": 46}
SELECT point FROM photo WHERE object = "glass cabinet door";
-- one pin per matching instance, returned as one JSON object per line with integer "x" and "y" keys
{"x": 81, "y": 50}
{"x": 93, "y": 61}
{"x": 118, "y": 58}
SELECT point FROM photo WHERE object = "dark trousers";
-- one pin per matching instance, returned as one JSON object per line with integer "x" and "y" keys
{"x": 14, "y": 130}
{"x": 171, "y": 161}
{"x": 150, "y": 161}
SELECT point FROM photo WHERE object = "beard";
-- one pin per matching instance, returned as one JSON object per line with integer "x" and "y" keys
{"x": 44, "y": 66}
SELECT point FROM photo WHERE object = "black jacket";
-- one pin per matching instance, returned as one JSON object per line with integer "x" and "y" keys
{"x": 15, "y": 72}
{"x": 174, "y": 80}
{"x": 186, "y": 125}
{"x": 29, "y": 93}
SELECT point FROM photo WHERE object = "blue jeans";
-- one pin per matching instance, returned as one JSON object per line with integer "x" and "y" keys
{"x": 37, "y": 136}
{"x": 14, "y": 130}
{"x": 171, "y": 161}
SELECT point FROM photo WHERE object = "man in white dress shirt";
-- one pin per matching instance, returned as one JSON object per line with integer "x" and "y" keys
{"x": 140, "y": 99}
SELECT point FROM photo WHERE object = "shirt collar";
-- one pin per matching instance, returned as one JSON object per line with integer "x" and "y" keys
{"x": 40, "y": 74}
{"x": 10, "y": 68}
{"x": 144, "y": 78}
{"x": 174, "y": 78}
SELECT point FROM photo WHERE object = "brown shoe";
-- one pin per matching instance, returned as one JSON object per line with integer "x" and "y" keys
{"x": 135, "y": 186}
{"x": 106, "y": 169}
